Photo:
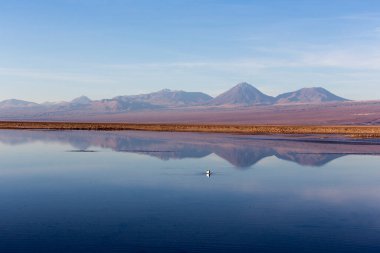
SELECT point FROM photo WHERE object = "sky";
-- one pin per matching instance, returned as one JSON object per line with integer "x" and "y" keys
{"x": 61, "y": 49}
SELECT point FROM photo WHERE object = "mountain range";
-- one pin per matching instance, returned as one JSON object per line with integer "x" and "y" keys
{"x": 242, "y": 104}
{"x": 243, "y": 94}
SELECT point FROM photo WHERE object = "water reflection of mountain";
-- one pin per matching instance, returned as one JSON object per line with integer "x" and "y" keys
{"x": 240, "y": 151}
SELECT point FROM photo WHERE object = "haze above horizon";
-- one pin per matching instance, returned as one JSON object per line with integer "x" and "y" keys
{"x": 61, "y": 49}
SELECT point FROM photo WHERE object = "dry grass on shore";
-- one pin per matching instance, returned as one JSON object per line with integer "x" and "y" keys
{"x": 353, "y": 131}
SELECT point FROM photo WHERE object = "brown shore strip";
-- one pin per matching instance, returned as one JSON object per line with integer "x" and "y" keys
{"x": 352, "y": 131}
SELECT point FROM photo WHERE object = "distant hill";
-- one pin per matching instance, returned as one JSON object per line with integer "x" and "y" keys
{"x": 242, "y": 94}
{"x": 309, "y": 96}
{"x": 83, "y": 100}
{"x": 120, "y": 104}
{"x": 168, "y": 97}
{"x": 15, "y": 103}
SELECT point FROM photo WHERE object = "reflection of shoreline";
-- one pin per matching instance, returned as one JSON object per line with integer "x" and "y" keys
{"x": 241, "y": 151}
{"x": 367, "y": 131}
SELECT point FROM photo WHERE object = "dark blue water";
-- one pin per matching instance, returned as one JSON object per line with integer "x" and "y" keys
{"x": 147, "y": 192}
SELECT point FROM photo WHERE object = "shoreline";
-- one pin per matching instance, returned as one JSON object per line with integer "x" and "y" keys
{"x": 349, "y": 131}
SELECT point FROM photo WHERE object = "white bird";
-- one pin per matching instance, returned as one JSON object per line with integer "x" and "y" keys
{"x": 208, "y": 173}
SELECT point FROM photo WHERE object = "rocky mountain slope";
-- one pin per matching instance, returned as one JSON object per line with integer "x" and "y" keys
{"x": 309, "y": 95}
{"x": 242, "y": 94}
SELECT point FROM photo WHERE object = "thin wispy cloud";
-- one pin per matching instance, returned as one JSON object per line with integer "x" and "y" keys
{"x": 343, "y": 59}
{"x": 368, "y": 16}
{"x": 49, "y": 75}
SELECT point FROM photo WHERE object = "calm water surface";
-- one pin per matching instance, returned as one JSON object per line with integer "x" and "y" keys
{"x": 78, "y": 191}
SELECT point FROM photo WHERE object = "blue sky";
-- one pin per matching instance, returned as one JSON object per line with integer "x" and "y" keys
{"x": 61, "y": 49}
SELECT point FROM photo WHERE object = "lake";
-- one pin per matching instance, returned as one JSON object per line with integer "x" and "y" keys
{"x": 82, "y": 191}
